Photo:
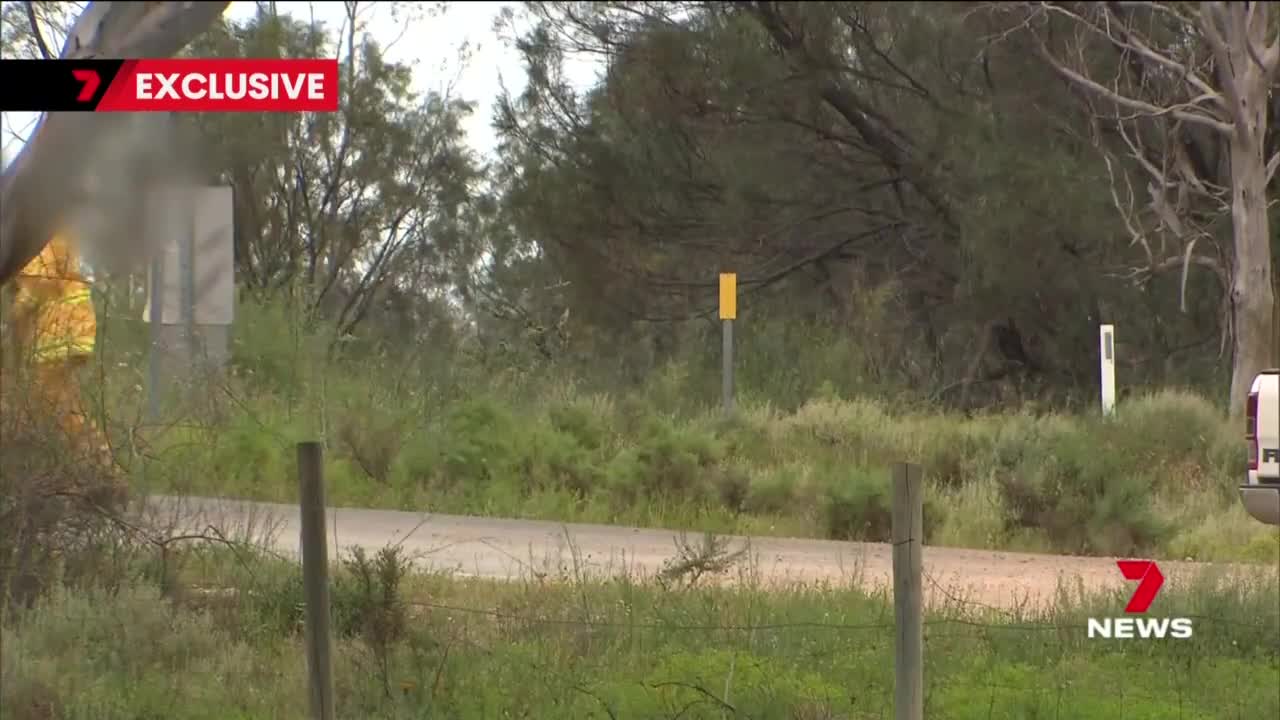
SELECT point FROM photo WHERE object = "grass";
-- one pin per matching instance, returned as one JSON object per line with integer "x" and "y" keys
{"x": 1158, "y": 479}
{"x": 452, "y": 428}
{"x": 452, "y": 431}
{"x": 415, "y": 646}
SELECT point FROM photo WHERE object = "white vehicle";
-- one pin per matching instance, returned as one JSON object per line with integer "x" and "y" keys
{"x": 1261, "y": 496}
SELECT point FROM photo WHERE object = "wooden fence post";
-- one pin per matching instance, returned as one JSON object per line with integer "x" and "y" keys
{"x": 315, "y": 579}
{"x": 908, "y": 595}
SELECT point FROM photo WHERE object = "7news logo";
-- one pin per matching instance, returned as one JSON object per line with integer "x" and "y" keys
{"x": 1150, "y": 580}
{"x": 170, "y": 85}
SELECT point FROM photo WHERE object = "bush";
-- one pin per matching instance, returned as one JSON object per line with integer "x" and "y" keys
{"x": 1083, "y": 495}
{"x": 366, "y": 597}
{"x": 1124, "y": 485}
{"x": 558, "y": 459}
{"x": 669, "y": 459}
{"x": 478, "y": 443}
{"x": 858, "y": 506}
{"x": 773, "y": 489}
{"x": 579, "y": 421}
{"x": 57, "y": 501}
{"x": 466, "y": 432}
{"x": 371, "y": 437}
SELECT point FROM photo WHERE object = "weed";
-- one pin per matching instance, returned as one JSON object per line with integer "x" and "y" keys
{"x": 627, "y": 649}
{"x": 712, "y": 556}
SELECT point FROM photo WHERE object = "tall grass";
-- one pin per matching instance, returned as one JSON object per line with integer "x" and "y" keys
{"x": 456, "y": 429}
{"x": 412, "y": 646}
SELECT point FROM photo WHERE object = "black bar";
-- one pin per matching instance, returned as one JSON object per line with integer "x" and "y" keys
{"x": 55, "y": 85}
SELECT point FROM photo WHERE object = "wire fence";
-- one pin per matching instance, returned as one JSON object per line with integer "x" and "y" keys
{"x": 408, "y": 645}
{"x": 973, "y": 669}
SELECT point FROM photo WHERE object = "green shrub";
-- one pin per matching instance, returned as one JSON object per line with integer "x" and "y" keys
{"x": 861, "y": 425}
{"x": 672, "y": 459}
{"x": 247, "y": 455}
{"x": 579, "y": 422}
{"x": 731, "y": 483}
{"x": 273, "y": 602}
{"x": 771, "y": 489}
{"x": 858, "y": 505}
{"x": 420, "y": 460}
{"x": 951, "y": 452}
{"x": 570, "y": 441}
{"x": 1164, "y": 426}
{"x": 478, "y": 443}
{"x": 367, "y": 596}
{"x": 1083, "y": 495}
{"x": 371, "y": 436}
{"x": 556, "y": 458}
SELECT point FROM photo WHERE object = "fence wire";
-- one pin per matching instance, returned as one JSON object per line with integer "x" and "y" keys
{"x": 430, "y": 646}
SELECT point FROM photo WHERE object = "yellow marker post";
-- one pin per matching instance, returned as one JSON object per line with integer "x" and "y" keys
{"x": 728, "y": 313}
{"x": 728, "y": 296}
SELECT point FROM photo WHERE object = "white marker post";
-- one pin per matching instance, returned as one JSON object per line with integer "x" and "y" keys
{"x": 1107, "y": 338}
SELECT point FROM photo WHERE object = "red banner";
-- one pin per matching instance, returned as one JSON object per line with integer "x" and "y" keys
{"x": 170, "y": 85}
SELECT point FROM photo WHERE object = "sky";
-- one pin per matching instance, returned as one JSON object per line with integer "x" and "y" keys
{"x": 429, "y": 42}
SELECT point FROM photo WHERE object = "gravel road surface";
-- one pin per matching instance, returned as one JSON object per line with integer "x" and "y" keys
{"x": 509, "y": 549}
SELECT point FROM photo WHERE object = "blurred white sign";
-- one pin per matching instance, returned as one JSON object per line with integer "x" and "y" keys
{"x": 202, "y": 217}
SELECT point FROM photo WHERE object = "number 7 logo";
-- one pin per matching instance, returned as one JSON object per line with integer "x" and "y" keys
{"x": 89, "y": 83}
{"x": 1149, "y": 578}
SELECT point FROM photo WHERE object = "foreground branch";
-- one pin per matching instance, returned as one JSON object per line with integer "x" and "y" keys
{"x": 34, "y": 197}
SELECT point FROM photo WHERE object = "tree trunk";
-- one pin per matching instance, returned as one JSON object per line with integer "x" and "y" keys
{"x": 1252, "y": 289}
{"x": 1252, "y": 292}
{"x": 1275, "y": 321}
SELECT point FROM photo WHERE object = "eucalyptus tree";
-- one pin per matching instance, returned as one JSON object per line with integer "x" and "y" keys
{"x": 49, "y": 178}
{"x": 1184, "y": 92}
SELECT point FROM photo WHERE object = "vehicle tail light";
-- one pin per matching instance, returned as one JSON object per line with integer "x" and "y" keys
{"x": 1251, "y": 428}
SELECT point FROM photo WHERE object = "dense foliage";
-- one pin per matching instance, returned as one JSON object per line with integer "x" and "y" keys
{"x": 915, "y": 182}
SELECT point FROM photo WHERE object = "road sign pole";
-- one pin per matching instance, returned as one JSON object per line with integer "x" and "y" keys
{"x": 728, "y": 313}
{"x": 727, "y": 384}
{"x": 186, "y": 258}
{"x": 156, "y": 331}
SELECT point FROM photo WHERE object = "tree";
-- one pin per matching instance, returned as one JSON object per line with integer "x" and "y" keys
{"x": 342, "y": 211}
{"x": 1185, "y": 89}
{"x": 34, "y": 188}
{"x": 835, "y": 155}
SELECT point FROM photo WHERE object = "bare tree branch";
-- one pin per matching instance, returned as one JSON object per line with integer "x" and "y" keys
{"x": 1209, "y": 15}
{"x": 1267, "y": 61}
{"x": 1131, "y": 42}
{"x": 35, "y": 31}
{"x": 1182, "y": 111}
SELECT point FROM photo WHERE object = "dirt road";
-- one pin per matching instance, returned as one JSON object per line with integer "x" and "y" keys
{"x": 506, "y": 549}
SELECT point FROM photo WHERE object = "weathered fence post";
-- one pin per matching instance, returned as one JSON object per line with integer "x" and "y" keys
{"x": 908, "y": 595}
{"x": 315, "y": 579}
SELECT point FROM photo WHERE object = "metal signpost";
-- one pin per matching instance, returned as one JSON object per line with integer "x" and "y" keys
{"x": 728, "y": 313}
